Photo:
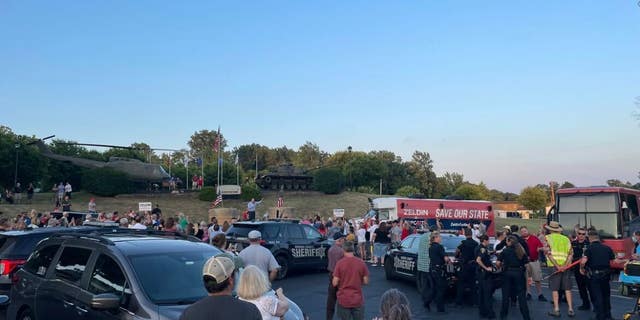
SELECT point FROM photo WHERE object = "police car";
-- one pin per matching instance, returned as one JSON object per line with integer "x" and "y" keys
{"x": 402, "y": 261}
{"x": 293, "y": 245}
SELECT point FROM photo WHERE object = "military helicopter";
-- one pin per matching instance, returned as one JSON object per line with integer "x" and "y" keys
{"x": 137, "y": 170}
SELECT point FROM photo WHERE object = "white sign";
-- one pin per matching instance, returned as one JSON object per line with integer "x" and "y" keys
{"x": 144, "y": 206}
{"x": 338, "y": 213}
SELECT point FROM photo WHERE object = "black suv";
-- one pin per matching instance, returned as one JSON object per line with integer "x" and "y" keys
{"x": 294, "y": 245}
{"x": 110, "y": 274}
{"x": 16, "y": 246}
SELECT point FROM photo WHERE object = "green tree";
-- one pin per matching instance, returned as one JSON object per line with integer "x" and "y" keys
{"x": 447, "y": 184}
{"x": 202, "y": 142}
{"x": 469, "y": 191}
{"x": 328, "y": 180}
{"x": 618, "y": 183}
{"x": 533, "y": 198}
{"x": 407, "y": 191}
{"x": 421, "y": 166}
{"x": 310, "y": 156}
{"x": 567, "y": 184}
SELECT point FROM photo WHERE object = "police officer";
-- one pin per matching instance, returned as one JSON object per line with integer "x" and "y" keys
{"x": 513, "y": 260}
{"x": 466, "y": 254}
{"x": 437, "y": 268}
{"x": 484, "y": 276}
{"x": 579, "y": 245}
{"x": 595, "y": 264}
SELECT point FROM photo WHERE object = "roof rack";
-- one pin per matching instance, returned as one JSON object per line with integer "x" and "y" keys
{"x": 90, "y": 236}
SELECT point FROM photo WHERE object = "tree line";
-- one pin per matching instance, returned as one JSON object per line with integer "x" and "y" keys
{"x": 367, "y": 172}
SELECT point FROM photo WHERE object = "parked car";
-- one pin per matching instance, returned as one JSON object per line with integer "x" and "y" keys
{"x": 294, "y": 245}
{"x": 16, "y": 246}
{"x": 112, "y": 274}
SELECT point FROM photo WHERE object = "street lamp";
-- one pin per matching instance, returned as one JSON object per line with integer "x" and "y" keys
{"x": 15, "y": 176}
{"x": 350, "y": 160}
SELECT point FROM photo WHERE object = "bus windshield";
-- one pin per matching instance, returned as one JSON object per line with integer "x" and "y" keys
{"x": 598, "y": 210}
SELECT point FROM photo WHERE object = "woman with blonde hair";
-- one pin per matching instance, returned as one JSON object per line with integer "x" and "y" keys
{"x": 254, "y": 287}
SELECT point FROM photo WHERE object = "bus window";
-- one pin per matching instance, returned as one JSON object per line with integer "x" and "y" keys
{"x": 631, "y": 211}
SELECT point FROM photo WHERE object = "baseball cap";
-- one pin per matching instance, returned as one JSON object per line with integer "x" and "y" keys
{"x": 219, "y": 268}
{"x": 338, "y": 235}
{"x": 255, "y": 234}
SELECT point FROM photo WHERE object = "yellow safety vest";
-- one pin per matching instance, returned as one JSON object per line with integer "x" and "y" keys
{"x": 559, "y": 246}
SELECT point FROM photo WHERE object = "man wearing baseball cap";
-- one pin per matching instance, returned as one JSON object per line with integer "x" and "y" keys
{"x": 259, "y": 256}
{"x": 218, "y": 277}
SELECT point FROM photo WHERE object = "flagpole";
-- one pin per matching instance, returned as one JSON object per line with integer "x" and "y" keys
{"x": 237, "y": 171}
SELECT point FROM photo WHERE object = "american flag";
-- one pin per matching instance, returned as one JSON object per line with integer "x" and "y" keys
{"x": 217, "y": 201}
{"x": 280, "y": 202}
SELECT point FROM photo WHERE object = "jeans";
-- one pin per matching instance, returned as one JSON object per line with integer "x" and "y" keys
{"x": 350, "y": 313}
{"x": 331, "y": 298}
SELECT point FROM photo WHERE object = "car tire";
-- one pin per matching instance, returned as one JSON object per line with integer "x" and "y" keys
{"x": 284, "y": 267}
{"x": 388, "y": 268}
{"x": 26, "y": 314}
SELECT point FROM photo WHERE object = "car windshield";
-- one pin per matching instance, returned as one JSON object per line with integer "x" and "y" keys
{"x": 172, "y": 278}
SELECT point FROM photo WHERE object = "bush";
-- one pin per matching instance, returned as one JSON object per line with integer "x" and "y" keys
{"x": 328, "y": 180}
{"x": 250, "y": 191}
{"x": 365, "y": 189}
{"x": 207, "y": 194}
{"x": 107, "y": 182}
{"x": 407, "y": 191}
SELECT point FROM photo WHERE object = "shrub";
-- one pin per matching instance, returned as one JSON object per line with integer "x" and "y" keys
{"x": 107, "y": 182}
{"x": 407, "y": 191}
{"x": 328, "y": 180}
{"x": 207, "y": 194}
{"x": 365, "y": 189}
{"x": 249, "y": 191}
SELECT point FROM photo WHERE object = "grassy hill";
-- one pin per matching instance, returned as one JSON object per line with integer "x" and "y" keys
{"x": 308, "y": 203}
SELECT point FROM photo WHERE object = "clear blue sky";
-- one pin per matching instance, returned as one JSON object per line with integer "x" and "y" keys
{"x": 511, "y": 93}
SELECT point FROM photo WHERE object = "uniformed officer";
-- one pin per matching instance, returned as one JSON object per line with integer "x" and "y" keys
{"x": 596, "y": 265}
{"x": 485, "y": 268}
{"x": 437, "y": 268}
{"x": 579, "y": 245}
{"x": 466, "y": 254}
{"x": 513, "y": 260}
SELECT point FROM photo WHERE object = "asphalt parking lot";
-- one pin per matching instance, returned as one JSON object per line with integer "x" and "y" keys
{"x": 309, "y": 292}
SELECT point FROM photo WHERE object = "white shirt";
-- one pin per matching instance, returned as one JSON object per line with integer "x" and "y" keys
{"x": 372, "y": 230}
{"x": 67, "y": 188}
{"x": 138, "y": 226}
{"x": 361, "y": 235}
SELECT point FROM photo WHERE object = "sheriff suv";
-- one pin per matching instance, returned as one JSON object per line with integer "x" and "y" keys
{"x": 110, "y": 274}
{"x": 293, "y": 245}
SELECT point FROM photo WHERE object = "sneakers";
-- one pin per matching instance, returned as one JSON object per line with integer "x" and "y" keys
{"x": 554, "y": 313}
{"x": 541, "y": 298}
{"x": 571, "y": 314}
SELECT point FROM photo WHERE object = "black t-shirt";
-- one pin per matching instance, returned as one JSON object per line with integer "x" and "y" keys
{"x": 510, "y": 259}
{"x": 467, "y": 250}
{"x": 382, "y": 236}
{"x": 501, "y": 244}
{"x": 482, "y": 252}
{"x": 436, "y": 254}
{"x": 598, "y": 256}
{"x": 221, "y": 307}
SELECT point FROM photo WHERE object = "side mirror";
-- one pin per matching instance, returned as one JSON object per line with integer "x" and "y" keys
{"x": 4, "y": 299}
{"x": 105, "y": 301}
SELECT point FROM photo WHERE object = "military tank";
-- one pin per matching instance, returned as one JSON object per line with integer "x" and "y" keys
{"x": 285, "y": 177}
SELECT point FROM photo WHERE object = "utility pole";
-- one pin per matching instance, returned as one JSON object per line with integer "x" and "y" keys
{"x": 15, "y": 176}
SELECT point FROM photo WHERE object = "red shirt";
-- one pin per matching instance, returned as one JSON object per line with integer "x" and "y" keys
{"x": 350, "y": 271}
{"x": 534, "y": 244}
{"x": 405, "y": 233}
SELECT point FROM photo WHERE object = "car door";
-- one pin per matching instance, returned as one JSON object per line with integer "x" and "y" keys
{"x": 57, "y": 294}
{"x": 316, "y": 247}
{"x": 106, "y": 277}
{"x": 406, "y": 257}
{"x": 297, "y": 242}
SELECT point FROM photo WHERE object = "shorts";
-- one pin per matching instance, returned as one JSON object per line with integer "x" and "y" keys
{"x": 379, "y": 249}
{"x": 533, "y": 271}
{"x": 560, "y": 281}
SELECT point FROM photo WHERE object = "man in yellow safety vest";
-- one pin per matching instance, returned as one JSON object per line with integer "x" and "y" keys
{"x": 558, "y": 255}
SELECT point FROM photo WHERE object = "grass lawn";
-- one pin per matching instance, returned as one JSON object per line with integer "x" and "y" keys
{"x": 308, "y": 203}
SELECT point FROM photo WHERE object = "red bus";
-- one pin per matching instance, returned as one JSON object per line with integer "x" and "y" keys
{"x": 452, "y": 214}
{"x": 613, "y": 211}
